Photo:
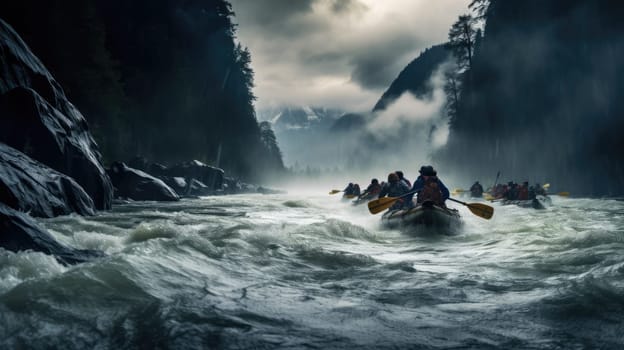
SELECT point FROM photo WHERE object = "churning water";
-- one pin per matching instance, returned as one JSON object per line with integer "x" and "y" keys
{"x": 301, "y": 271}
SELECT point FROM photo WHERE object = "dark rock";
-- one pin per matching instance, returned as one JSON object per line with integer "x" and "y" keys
{"x": 230, "y": 185}
{"x": 235, "y": 186}
{"x": 37, "y": 119}
{"x": 20, "y": 232}
{"x": 139, "y": 163}
{"x": 208, "y": 175}
{"x": 138, "y": 185}
{"x": 157, "y": 169}
{"x": 198, "y": 188}
{"x": 187, "y": 187}
{"x": 178, "y": 184}
{"x": 29, "y": 186}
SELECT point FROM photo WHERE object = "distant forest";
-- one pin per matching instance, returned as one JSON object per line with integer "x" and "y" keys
{"x": 540, "y": 95}
{"x": 163, "y": 79}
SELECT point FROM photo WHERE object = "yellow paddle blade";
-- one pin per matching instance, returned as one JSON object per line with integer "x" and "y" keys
{"x": 458, "y": 191}
{"x": 349, "y": 196}
{"x": 488, "y": 197}
{"x": 381, "y": 204}
{"x": 481, "y": 210}
{"x": 545, "y": 186}
{"x": 334, "y": 191}
{"x": 563, "y": 194}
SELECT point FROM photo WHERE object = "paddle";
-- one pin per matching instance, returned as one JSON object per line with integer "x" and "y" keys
{"x": 488, "y": 197}
{"x": 335, "y": 191}
{"x": 381, "y": 204}
{"x": 479, "y": 209}
{"x": 496, "y": 181}
{"x": 458, "y": 191}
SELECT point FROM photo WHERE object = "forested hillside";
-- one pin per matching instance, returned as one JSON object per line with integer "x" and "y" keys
{"x": 163, "y": 79}
{"x": 541, "y": 96}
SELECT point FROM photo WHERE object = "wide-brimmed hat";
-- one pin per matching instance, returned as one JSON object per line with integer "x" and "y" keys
{"x": 427, "y": 170}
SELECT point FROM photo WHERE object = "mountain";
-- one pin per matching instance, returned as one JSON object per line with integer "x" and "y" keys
{"x": 321, "y": 137}
{"x": 302, "y": 117}
{"x": 350, "y": 122}
{"x": 301, "y": 132}
{"x": 415, "y": 76}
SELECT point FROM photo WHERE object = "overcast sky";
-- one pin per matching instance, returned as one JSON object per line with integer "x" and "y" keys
{"x": 336, "y": 53}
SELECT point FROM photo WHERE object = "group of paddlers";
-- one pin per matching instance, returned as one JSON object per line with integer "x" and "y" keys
{"x": 510, "y": 191}
{"x": 427, "y": 186}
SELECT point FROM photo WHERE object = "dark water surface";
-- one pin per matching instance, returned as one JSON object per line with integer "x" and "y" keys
{"x": 301, "y": 271}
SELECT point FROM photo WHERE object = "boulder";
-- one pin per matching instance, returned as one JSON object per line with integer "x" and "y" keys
{"x": 19, "y": 231}
{"x": 198, "y": 188}
{"x": 187, "y": 187}
{"x": 157, "y": 169}
{"x": 30, "y": 186}
{"x": 208, "y": 175}
{"x": 138, "y": 185}
{"x": 178, "y": 184}
{"x": 37, "y": 119}
{"x": 139, "y": 163}
{"x": 234, "y": 186}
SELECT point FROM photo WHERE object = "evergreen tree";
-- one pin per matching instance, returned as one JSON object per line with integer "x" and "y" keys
{"x": 160, "y": 78}
{"x": 462, "y": 37}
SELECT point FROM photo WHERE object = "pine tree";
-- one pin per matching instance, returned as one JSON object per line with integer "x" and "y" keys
{"x": 462, "y": 37}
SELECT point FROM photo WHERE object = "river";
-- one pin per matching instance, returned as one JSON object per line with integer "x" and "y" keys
{"x": 309, "y": 271}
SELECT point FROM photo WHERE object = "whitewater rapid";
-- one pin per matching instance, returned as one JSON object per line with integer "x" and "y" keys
{"x": 310, "y": 271}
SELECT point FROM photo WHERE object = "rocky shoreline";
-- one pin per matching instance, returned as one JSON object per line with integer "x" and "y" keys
{"x": 50, "y": 164}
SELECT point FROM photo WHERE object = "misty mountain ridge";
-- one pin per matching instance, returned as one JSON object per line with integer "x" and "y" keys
{"x": 300, "y": 117}
{"x": 408, "y": 116}
{"x": 416, "y": 76}
{"x": 351, "y": 122}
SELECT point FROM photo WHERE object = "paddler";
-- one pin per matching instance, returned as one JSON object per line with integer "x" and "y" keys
{"x": 429, "y": 187}
{"x": 395, "y": 188}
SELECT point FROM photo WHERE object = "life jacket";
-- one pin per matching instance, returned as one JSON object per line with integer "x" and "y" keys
{"x": 374, "y": 189}
{"x": 430, "y": 192}
{"x": 523, "y": 193}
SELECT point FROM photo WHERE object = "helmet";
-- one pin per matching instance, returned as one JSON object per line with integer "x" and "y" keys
{"x": 374, "y": 181}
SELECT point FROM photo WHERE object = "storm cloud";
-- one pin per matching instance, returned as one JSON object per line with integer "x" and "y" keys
{"x": 336, "y": 53}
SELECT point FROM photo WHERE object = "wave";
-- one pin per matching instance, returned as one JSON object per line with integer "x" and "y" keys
{"x": 146, "y": 232}
{"x": 586, "y": 297}
{"x": 16, "y": 268}
{"x": 297, "y": 204}
{"x": 333, "y": 260}
{"x": 337, "y": 230}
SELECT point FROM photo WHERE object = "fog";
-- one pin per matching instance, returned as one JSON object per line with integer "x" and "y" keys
{"x": 336, "y": 54}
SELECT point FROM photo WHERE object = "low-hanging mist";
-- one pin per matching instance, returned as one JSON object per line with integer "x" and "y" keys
{"x": 372, "y": 144}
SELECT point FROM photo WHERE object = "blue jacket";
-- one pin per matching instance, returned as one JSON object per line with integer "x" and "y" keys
{"x": 420, "y": 183}
{"x": 395, "y": 189}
